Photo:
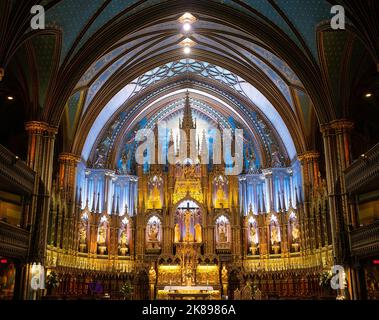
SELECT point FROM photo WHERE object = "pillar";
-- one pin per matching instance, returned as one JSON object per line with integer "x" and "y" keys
{"x": 336, "y": 137}
{"x": 269, "y": 190}
{"x": 41, "y": 138}
{"x": 67, "y": 187}
{"x": 311, "y": 181}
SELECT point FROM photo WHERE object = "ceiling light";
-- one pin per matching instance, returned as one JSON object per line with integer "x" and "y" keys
{"x": 187, "y": 18}
{"x": 187, "y": 50}
{"x": 187, "y": 42}
{"x": 10, "y": 98}
{"x": 368, "y": 95}
{"x": 187, "y": 27}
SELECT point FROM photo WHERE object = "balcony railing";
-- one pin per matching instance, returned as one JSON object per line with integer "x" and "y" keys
{"x": 15, "y": 173}
{"x": 14, "y": 241}
{"x": 364, "y": 173}
{"x": 365, "y": 240}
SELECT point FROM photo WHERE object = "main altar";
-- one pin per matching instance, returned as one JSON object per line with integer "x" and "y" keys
{"x": 188, "y": 279}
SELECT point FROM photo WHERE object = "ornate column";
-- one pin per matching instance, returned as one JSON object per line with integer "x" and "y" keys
{"x": 67, "y": 186}
{"x": 311, "y": 181}
{"x": 343, "y": 130}
{"x": 336, "y": 137}
{"x": 224, "y": 280}
{"x": 269, "y": 189}
{"x": 40, "y": 158}
{"x": 152, "y": 282}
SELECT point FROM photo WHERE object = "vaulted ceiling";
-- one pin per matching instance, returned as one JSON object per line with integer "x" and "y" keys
{"x": 90, "y": 50}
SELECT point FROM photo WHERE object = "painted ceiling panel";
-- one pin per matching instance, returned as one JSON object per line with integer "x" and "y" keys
{"x": 73, "y": 109}
{"x": 278, "y": 63}
{"x": 264, "y": 7}
{"x": 305, "y": 16}
{"x": 334, "y": 44}
{"x": 306, "y": 108}
{"x": 101, "y": 80}
{"x": 70, "y": 16}
{"x": 110, "y": 12}
{"x": 44, "y": 47}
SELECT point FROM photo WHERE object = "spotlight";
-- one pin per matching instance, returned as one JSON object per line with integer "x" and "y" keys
{"x": 187, "y": 50}
{"x": 368, "y": 95}
{"x": 187, "y": 27}
{"x": 10, "y": 98}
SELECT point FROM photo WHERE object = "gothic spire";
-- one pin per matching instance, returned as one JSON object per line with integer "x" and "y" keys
{"x": 187, "y": 123}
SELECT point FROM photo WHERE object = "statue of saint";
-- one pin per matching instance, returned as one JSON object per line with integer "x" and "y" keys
{"x": 222, "y": 232}
{"x": 83, "y": 235}
{"x": 224, "y": 275}
{"x": 123, "y": 239}
{"x": 124, "y": 162}
{"x": 187, "y": 222}
{"x": 252, "y": 167}
{"x": 198, "y": 234}
{"x": 274, "y": 235}
{"x": 153, "y": 232}
{"x": 101, "y": 237}
{"x": 253, "y": 234}
{"x": 275, "y": 157}
{"x": 152, "y": 275}
{"x": 295, "y": 232}
{"x": 177, "y": 233}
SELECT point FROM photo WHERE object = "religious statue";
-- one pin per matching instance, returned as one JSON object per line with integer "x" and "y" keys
{"x": 222, "y": 232}
{"x": 124, "y": 162}
{"x": 123, "y": 239}
{"x": 224, "y": 275}
{"x": 187, "y": 221}
{"x": 152, "y": 275}
{"x": 102, "y": 236}
{"x": 100, "y": 161}
{"x": 295, "y": 232}
{"x": 198, "y": 234}
{"x": 275, "y": 158}
{"x": 83, "y": 235}
{"x": 253, "y": 234}
{"x": 177, "y": 233}
{"x": 153, "y": 232}
{"x": 274, "y": 235}
{"x": 252, "y": 167}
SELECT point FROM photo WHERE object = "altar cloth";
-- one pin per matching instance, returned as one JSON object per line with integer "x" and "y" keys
{"x": 188, "y": 288}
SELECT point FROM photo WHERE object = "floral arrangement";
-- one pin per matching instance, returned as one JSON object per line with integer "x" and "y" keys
{"x": 52, "y": 280}
{"x": 126, "y": 290}
{"x": 325, "y": 278}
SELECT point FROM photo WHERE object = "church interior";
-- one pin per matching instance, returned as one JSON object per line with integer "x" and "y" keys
{"x": 199, "y": 149}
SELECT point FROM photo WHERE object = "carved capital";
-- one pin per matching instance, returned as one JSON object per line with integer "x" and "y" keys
{"x": 36, "y": 127}
{"x": 40, "y": 127}
{"x": 326, "y": 129}
{"x": 69, "y": 157}
{"x": 308, "y": 156}
{"x": 342, "y": 125}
